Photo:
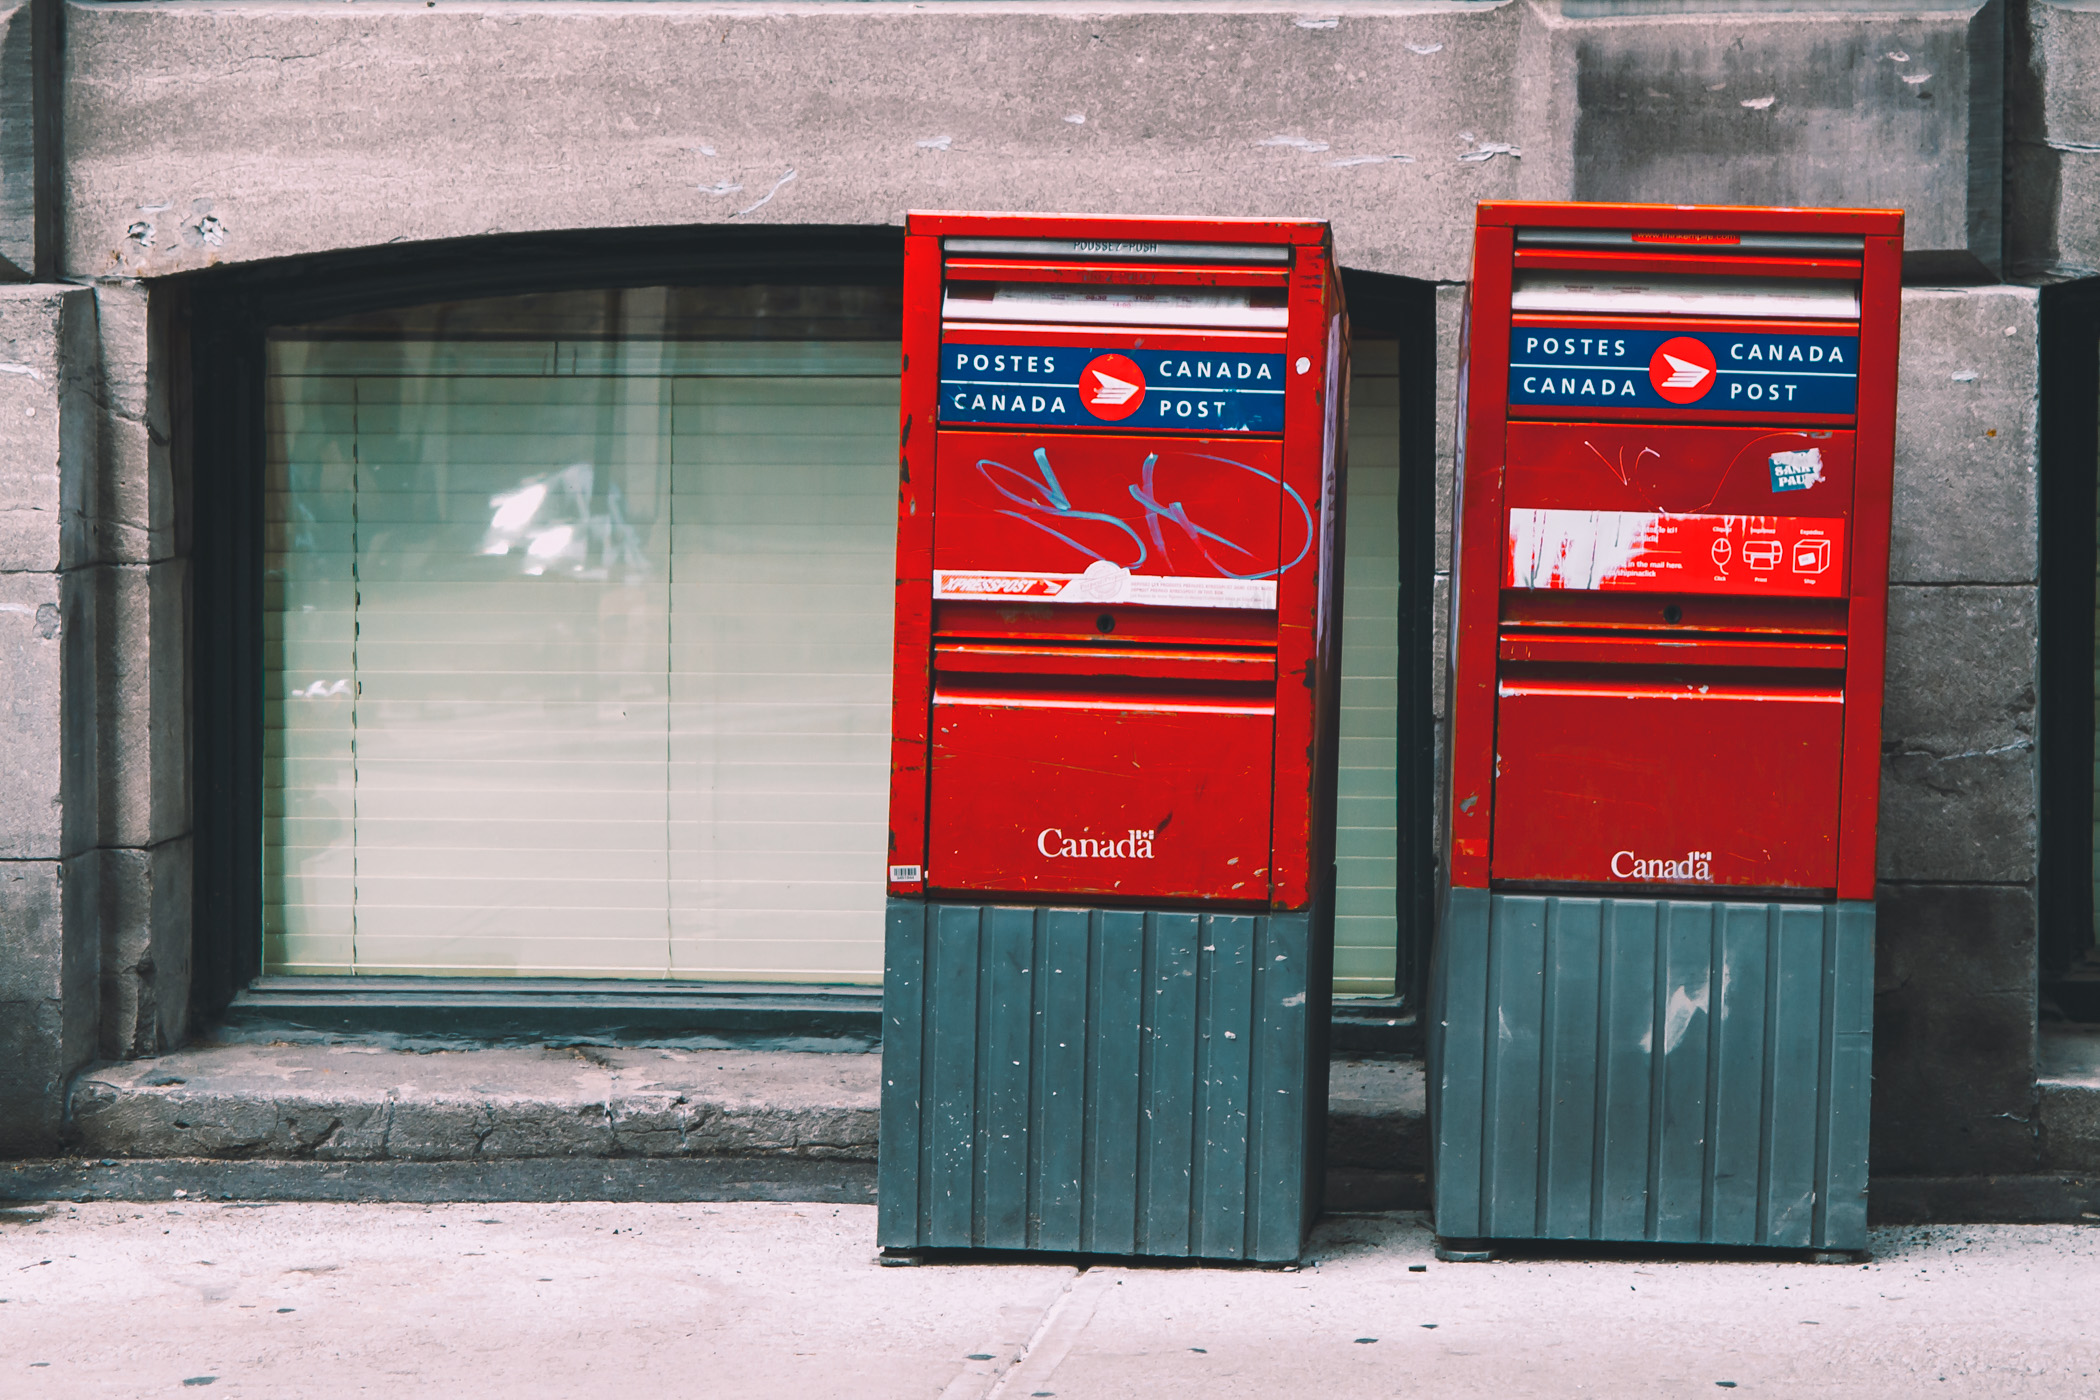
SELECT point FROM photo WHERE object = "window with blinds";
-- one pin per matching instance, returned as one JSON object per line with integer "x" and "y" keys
{"x": 578, "y": 636}
{"x": 1366, "y": 922}
{"x": 578, "y": 619}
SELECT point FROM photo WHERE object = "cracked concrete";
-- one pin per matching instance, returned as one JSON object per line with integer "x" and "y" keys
{"x": 765, "y": 1300}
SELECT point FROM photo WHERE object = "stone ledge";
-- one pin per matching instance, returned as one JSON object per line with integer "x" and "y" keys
{"x": 358, "y": 1123}
{"x": 515, "y": 1179}
{"x": 2034, "y": 1199}
{"x": 359, "y": 1103}
{"x": 1377, "y": 1119}
{"x": 2067, "y": 1099}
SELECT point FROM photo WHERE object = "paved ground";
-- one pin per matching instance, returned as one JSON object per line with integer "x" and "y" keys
{"x": 766, "y": 1300}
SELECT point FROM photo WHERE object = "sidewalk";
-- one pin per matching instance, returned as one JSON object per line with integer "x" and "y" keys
{"x": 771, "y": 1299}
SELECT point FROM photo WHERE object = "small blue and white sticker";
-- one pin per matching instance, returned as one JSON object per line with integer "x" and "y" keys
{"x": 1797, "y": 471}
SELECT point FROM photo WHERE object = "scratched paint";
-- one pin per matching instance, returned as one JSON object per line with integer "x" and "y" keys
{"x": 1684, "y": 1003}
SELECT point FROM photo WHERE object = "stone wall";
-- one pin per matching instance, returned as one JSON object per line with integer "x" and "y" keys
{"x": 50, "y": 954}
{"x": 201, "y": 135}
{"x": 1955, "y": 1011}
{"x": 2052, "y": 139}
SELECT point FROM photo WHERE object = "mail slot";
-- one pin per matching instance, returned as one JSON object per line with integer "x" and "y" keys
{"x": 1113, "y": 739}
{"x": 1670, "y": 553}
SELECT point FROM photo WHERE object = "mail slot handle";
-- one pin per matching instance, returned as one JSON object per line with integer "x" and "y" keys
{"x": 1151, "y": 663}
{"x": 1240, "y": 308}
{"x": 1177, "y": 628}
{"x": 1116, "y": 274}
{"x": 1689, "y": 262}
{"x": 1771, "y": 688}
{"x": 1016, "y": 694}
{"x": 1668, "y": 649}
{"x": 1676, "y": 294}
{"x": 1820, "y": 618}
{"x": 1119, "y": 249}
{"x": 1796, "y": 244}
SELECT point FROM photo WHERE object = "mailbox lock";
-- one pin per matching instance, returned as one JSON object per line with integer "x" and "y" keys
{"x": 1105, "y": 623}
{"x": 1672, "y": 613}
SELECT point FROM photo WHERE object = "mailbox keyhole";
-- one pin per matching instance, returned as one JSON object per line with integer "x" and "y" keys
{"x": 1672, "y": 613}
{"x": 1105, "y": 623}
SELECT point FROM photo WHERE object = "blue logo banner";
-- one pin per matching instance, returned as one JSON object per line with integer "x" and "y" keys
{"x": 1071, "y": 386}
{"x": 1585, "y": 367}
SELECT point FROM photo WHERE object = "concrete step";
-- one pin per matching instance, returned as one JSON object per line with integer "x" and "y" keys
{"x": 361, "y": 1122}
{"x": 2067, "y": 1101}
{"x": 359, "y": 1103}
{"x": 336, "y": 1121}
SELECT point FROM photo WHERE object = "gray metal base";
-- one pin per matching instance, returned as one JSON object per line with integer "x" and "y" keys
{"x": 1690, "y": 1071}
{"x": 1101, "y": 1081}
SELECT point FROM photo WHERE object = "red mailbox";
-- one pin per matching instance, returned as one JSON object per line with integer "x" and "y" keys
{"x": 1111, "y": 786}
{"x": 1115, "y": 596}
{"x": 1670, "y": 572}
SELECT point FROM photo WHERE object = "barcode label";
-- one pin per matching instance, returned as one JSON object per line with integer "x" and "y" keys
{"x": 904, "y": 874}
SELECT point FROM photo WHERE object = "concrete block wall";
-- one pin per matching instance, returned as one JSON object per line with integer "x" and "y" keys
{"x": 94, "y": 805}
{"x": 29, "y": 139}
{"x": 209, "y": 136}
{"x": 2052, "y": 139}
{"x": 1955, "y": 988}
{"x": 198, "y": 136}
{"x": 50, "y": 953}
{"x": 141, "y": 550}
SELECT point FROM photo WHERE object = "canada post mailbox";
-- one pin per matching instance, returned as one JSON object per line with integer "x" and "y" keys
{"x": 1111, "y": 791}
{"x": 1651, "y": 990}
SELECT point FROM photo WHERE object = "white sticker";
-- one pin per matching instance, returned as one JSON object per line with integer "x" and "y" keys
{"x": 1797, "y": 471}
{"x": 1104, "y": 582}
{"x": 905, "y": 874}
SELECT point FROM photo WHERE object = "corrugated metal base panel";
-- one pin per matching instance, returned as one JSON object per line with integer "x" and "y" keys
{"x": 1690, "y": 1071}
{"x": 1101, "y": 1081}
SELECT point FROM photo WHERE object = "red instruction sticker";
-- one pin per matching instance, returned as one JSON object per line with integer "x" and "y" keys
{"x": 1635, "y": 551}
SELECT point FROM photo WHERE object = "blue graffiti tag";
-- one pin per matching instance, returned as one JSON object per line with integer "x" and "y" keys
{"x": 1155, "y": 512}
{"x": 1049, "y": 498}
{"x": 1044, "y": 496}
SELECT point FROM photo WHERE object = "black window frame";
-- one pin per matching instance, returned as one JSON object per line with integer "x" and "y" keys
{"x": 2068, "y": 450}
{"x": 230, "y": 312}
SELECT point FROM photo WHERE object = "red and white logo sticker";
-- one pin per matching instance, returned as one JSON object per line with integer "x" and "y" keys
{"x": 1682, "y": 370}
{"x": 1112, "y": 387}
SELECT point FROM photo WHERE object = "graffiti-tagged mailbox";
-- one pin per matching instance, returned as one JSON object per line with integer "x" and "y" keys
{"x": 1111, "y": 806}
{"x": 1651, "y": 990}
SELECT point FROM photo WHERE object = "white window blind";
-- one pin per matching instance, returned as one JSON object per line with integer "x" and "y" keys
{"x": 1366, "y": 923}
{"x": 578, "y": 656}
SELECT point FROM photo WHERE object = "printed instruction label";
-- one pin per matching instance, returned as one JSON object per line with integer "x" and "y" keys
{"x": 1635, "y": 551}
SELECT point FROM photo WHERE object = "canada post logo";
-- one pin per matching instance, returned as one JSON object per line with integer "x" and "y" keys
{"x": 1585, "y": 367}
{"x": 1112, "y": 387}
{"x": 1063, "y": 386}
{"x": 1682, "y": 370}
